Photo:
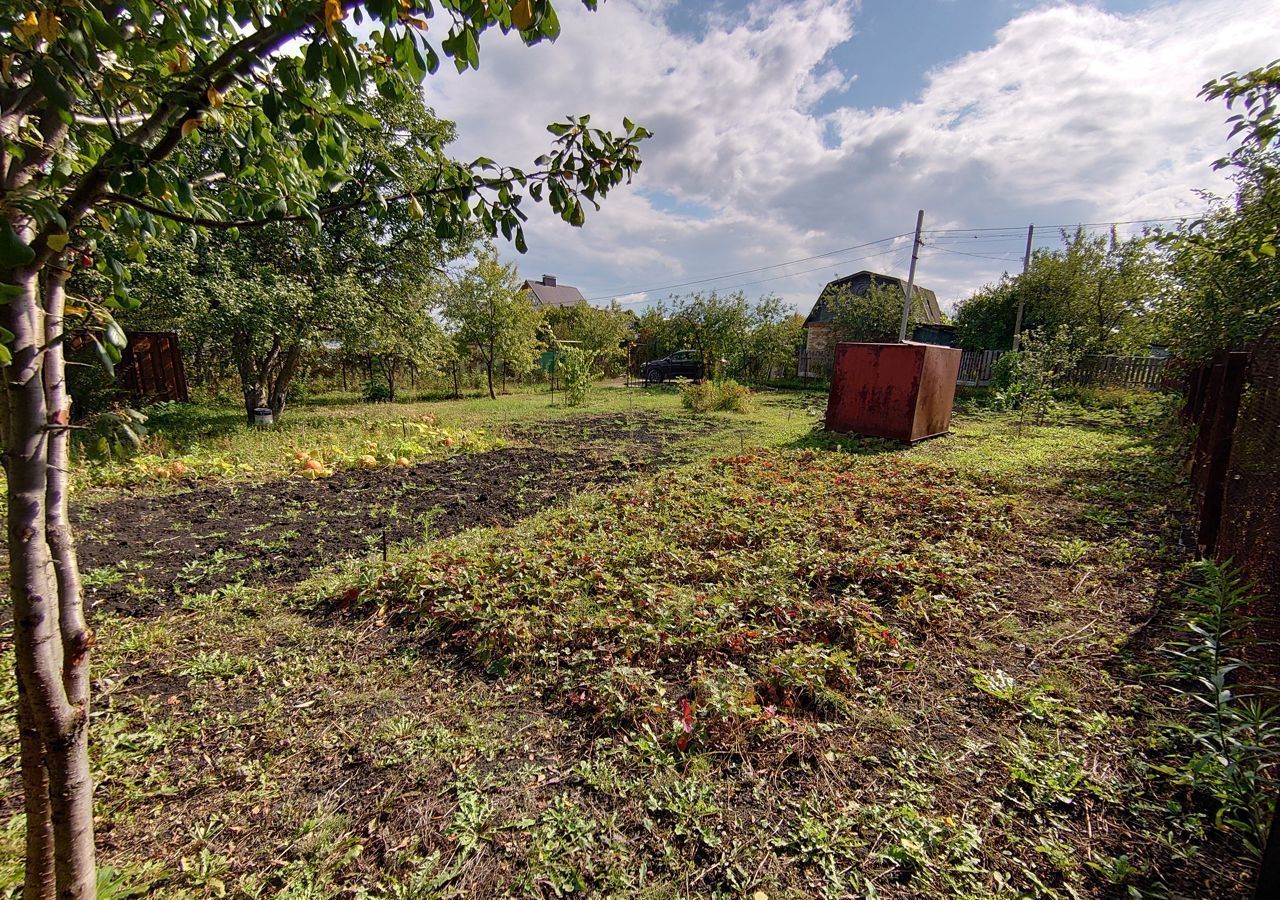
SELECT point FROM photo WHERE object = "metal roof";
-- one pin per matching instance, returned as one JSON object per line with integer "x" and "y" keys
{"x": 554, "y": 294}
{"x": 859, "y": 282}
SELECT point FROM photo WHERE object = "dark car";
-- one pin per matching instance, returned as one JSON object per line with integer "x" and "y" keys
{"x": 681, "y": 364}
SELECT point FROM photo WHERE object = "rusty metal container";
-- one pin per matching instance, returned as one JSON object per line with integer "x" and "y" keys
{"x": 899, "y": 391}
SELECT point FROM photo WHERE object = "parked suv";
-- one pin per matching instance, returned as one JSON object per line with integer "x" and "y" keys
{"x": 681, "y": 364}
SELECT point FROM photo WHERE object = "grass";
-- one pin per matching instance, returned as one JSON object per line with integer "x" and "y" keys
{"x": 210, "y": 440}
{"x": 787, "y": 664}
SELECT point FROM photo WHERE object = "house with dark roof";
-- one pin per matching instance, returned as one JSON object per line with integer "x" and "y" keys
{"x": 549, "y": 292}
{"x": 819, "y": 337}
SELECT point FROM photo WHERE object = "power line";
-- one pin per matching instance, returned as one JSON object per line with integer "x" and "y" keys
{"x": 1019, "y": 230}
{"x": 789, "y": 262}
{"x": 830, "y": 265}
{"x": 956, "y": 236}
{"x": 978, "y": 255}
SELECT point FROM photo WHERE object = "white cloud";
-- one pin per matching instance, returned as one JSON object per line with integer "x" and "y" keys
{"x": 1071, "y": 114}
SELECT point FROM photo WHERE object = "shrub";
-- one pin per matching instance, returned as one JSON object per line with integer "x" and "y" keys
{"x": 709, "y": 396}
{"x": 575, "y": 368}
{"x": 1229, "y": 736}
{"x": 376, "y": 392}
{"x": 1028, "y": 379}
{"x": 115, "y": 433}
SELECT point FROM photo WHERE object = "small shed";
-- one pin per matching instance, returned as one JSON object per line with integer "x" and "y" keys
{"x": 818, "y": 327}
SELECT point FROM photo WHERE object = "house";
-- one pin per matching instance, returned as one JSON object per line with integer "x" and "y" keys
{"x": 819, "y": 342}
{"x": 548, "y": 293}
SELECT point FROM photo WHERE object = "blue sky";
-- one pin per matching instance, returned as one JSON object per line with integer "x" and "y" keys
{"x": 786, "y": 130}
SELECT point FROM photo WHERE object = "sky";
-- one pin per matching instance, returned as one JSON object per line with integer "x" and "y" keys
{"x": 794, "y": 141}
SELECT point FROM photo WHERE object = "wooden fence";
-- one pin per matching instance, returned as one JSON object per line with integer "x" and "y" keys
{"x": 1234, "y": 403}
{"x": 976, "y": 367}
{"x": 151, "y": 368}
{"x": 1121, "y": 371}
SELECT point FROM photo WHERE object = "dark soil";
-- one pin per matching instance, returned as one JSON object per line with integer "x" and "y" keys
{"x": 641, "y": 435}
{"x": 142, "y": 553}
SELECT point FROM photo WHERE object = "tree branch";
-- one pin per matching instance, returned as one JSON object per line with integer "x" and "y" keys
{"x": 192, "y": 94}
{"x": 208, "y": 222}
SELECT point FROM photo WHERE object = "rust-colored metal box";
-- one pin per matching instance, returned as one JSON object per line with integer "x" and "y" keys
{"x": 898, "y": 391}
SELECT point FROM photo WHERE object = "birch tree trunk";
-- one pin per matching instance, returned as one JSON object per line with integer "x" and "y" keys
{"x": 51, "y": 639}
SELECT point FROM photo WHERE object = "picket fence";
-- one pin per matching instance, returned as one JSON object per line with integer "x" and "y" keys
{"x": 976, "y": 367}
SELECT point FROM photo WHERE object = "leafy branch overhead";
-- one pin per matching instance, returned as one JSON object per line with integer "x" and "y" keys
{"x": 213, "y": 116}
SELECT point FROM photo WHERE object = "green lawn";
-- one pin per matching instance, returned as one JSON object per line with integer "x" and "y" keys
{"x": 770, "y": 663}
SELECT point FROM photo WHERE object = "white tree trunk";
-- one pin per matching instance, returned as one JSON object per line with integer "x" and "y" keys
{"x": 51, "y": 641}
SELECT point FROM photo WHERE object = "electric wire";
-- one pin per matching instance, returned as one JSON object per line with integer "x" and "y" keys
{"x": 830, "y": 265}
{"x": 753, "y": 271}
{"x": 977, "y": 255}
{"x": 954, "y": 236}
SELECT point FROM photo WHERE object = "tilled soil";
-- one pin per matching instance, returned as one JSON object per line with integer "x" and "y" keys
{"x": 140, "y": 554}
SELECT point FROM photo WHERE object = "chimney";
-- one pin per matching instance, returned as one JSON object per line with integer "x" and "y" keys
{"x": 549, "y": 280}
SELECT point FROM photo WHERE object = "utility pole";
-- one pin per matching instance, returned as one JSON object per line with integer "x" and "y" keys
{"x": 1026, "y": 264}
{"x": 911, "y": 278}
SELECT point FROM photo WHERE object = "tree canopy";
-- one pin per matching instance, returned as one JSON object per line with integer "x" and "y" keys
{"x": 491, "y": 316}
{"x": 872, "y": 316}
{"x": 1224, "y": 267}
{"x": 1101, "y": 287}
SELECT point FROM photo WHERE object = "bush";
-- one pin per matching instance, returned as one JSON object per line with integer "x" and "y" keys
{"x": 708, "y": 396}
{"x": 575, "y": 368}
{"x": 1028, "y": 379}
{"x": 376, "y": 392}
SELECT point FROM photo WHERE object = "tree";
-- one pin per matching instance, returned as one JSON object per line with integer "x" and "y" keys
{"x": 266, "y": 297}
{"x": 493, "y": 317}
{"x": 602, "y": 333}
{"x": 104, "y": 118}
{"x": 777, "y": 334}
{"x": 400, "y": 332}
{"x": 575, "y": 364}
{"x": 1028, "y": 378}
{"x": 873, "y": 316}
{"x": 1224, "y": 263}
{"x": 1101, "y": 287}
{"x": 717, "y": 326}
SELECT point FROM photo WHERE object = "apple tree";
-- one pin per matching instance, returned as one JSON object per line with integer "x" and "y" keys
{"x": 107, "y": 108}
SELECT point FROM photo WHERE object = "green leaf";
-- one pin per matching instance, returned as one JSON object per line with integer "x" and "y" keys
{"x": 14, "y": 251}
{"x": 361, "y": 117}
{"x": 115, "y": 334}
{"x": 104, "y": 357}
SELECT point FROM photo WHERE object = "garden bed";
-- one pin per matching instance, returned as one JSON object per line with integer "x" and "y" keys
{"x": 141, "y": 553}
